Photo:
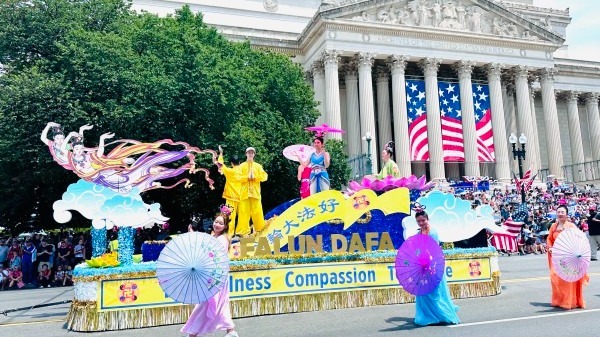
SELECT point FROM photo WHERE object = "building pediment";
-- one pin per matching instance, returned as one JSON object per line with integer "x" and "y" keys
{"x": 470, "y": 16}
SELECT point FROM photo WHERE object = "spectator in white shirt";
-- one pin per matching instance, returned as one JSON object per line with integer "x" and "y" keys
{"x": 79, "y": 252}
{"x": 3, "y": 277}
{"x": 3, "y": 254}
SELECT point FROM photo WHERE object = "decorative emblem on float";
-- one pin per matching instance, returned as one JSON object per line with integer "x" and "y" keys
{"x": 128, "y": 292}
{"x": 271, "y": 5}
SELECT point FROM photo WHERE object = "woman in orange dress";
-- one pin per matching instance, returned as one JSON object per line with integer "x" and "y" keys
{"x": 567, "y": 295}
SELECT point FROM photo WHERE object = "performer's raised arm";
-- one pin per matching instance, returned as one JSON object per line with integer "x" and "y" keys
{"x": 84, "y": 128}
{"x": 44, "y": 136}
{"x": 100, "y": 151}
{"x": 220, "y": 161}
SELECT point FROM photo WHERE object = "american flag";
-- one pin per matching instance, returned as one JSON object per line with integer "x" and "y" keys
{"x": 417, "y": 120}
{"x": 504, "y": 242}
{"x": 452, "y": 131}
{"x": 527, "y": 174}
{"x": 483, "y": 123}
{"x": 517, "y": 183}
{"x": 507, "y": 242}
{"x": 521, "y": 213}
{"x": 528, "y": 184}
{"x": 523, "y": 183}
{"x": 512, "y": 227}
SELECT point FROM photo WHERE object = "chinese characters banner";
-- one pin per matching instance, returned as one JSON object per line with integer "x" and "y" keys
{"x": 330, "y": 205}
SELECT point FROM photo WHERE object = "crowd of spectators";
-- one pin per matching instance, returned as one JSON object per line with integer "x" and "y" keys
{"x": 47, "y": 260}
{"x": 40, "y": 260}
{"x": 541, "y": 205}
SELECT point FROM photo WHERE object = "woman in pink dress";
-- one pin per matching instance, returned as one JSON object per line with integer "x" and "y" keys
{"x": 214, "y": 314}
{"x": 304, "y": 178}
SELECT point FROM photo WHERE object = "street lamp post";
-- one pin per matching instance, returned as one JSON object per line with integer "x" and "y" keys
{"x": 367, "y": 137}
{"x": 519, "y": 154}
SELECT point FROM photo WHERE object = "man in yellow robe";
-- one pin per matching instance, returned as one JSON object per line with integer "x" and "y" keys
{"x": 250, "y": 174}
{"x": 231, "y": 192}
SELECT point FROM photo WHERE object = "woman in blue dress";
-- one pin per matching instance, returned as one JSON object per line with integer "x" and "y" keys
{"x": 436, "y": 307}
{"x": 318, "y": 163}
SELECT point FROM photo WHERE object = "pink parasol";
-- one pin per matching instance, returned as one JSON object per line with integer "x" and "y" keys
{"x": 571, "y": 255}
{"x": 303, "y": 150}
{"x": 323, "y": 128}
{"x": 420, "y": 265}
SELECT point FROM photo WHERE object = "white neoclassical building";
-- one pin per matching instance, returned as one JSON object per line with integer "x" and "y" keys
{"x": 387, "y": 68}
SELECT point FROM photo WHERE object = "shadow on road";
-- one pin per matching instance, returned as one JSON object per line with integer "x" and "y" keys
{"x": 47, "y": 315}
{"x": 408, "y": 324}
{"x": 541, "y": 304}
{"x": 545, "y": 305}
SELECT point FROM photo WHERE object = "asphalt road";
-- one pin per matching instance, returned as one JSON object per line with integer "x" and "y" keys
{"x": 521, "y": 310}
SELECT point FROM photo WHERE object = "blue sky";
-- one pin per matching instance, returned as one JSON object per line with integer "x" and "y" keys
{"x": 583, "y": 38}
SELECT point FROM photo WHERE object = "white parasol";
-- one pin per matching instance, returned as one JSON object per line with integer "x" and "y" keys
{"x": 303, "y": 150}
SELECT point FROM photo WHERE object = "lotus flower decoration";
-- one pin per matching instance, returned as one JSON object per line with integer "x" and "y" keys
{"x": 106, "y": 260}
{"x": 390, "y": 183}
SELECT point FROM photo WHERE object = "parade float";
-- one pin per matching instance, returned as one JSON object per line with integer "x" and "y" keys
{"x": 306, "y": 259}
{"x": 330, "y": 250}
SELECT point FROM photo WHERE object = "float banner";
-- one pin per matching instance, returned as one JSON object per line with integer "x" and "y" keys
{"x": 135, "y": 293}
{"x": 330, "y": 205}
{"x": 334, "y": 277}
{"x": 132, "y": 293}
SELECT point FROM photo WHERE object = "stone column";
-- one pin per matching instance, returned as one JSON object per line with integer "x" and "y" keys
{"x": 397, "y": 64}
{"x": 553, "y": 144}
{"x": 343, "y": 110}
{"x": 507, "y": 121}
{"x": 594, "y": 123}
{"x": 332, "y": 92}
{"x": 318, "y": 73}
{"x": 577, "y": 154}
{"x": 512, "y": 111}
{"x": 464, "y": 70}
{"x": 536, "y": 138}
{"x": 384, "y": 118}
{"x": 434, "y": 125}
{"x": 498, "y": 123}
{"x": 352, "y": 106}
{"x": 524, "y": 115}
{"x": 367, "y": 112}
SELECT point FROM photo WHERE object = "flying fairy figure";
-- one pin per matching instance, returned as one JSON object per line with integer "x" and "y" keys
{"x": 129, "y": 164}
{"x": 57, "y": 145}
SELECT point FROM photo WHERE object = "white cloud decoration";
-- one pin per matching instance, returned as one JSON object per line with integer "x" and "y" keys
{"x": 452, "y": 218}
{"x": 106, "y": 208}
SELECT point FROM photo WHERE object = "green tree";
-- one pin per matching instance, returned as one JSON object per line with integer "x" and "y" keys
{"x": 339, "y": 171}
{"x": 146, "y": 78}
